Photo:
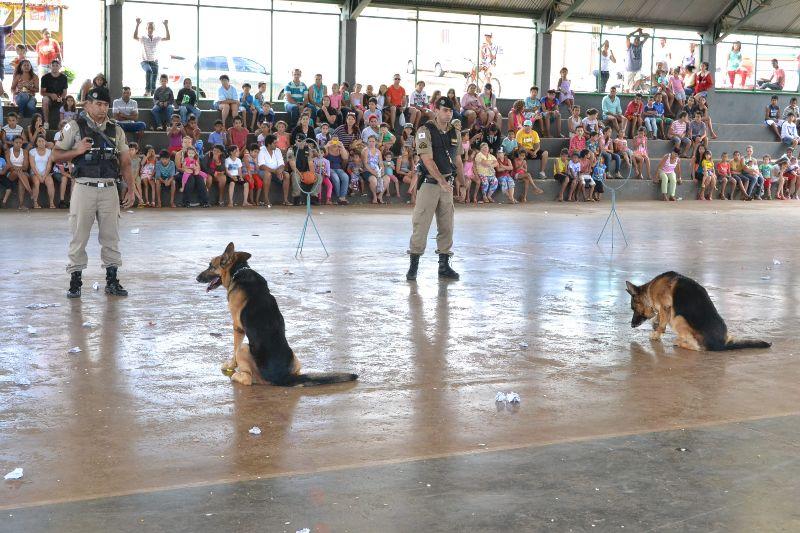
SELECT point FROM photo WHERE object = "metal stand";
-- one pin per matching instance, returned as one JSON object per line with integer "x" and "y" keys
{"x": 309, "y": 218}
{"x": 613, "y": 213}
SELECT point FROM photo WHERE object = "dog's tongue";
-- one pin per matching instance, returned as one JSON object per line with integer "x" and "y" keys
{"x": 213, "y": 285}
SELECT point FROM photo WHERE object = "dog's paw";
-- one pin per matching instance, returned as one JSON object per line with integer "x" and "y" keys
{"x": 242, "y": 377}
{"x": 655, "y": 336}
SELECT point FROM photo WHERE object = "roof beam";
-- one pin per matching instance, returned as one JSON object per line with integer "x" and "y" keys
{"x": 557, "y": 12}
{"x": 735, "y": 14}
{"x": 351, "y": 9}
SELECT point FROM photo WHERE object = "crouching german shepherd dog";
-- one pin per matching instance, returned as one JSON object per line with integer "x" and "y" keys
{"x": 684, "y": 304}
{"x": 268, "y": 358}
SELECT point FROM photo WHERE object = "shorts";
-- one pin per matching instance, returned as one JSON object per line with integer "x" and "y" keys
{"x": 680, "y": 95}
{"x": 598, "y": 186}
{"x": 587, "y": 180}
{"x": 5, "y": 182}
{"x": 255, "y": 181}
{"x": 534, "y": 157}
{"x": 771, "y": 122}
{"x": 235, "y": 179}
{"x": 561, "y": 177}
{"x": 788, "y": 141}
{"x": 506, "y": 183}
{"x": 789, "y": 176}
{"x": 631, "y": 117}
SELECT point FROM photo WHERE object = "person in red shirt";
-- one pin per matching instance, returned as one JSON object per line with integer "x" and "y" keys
{"x": 48, "y": 51}
{"x": 396, "y": 100}
{"x": 634, "y": 113}
{"x": 704, "y": 81}
{"x": 238, "y": 133}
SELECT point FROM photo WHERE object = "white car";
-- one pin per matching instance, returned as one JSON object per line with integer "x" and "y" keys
{"x": 239, "y": 69}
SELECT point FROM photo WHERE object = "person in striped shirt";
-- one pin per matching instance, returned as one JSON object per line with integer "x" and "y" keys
{"x": 296, "y": 95}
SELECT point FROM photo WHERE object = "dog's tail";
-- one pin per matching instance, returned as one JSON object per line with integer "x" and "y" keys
{"x": 321, "y": 378}
{"x": 738, "y": 344}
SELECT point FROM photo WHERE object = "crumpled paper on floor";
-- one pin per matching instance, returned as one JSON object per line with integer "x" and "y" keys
{"x": 14, "y": 474}
{"x": 135, "y": 231}
{"x": 74, "y": 350}
{"x": 31, "y": 330}
{"x": 510, "y": 397}
{"x": 96, "y": 286}
{"x": 255, "y": 430}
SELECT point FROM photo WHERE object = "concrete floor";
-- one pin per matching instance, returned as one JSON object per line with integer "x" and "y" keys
{"x": 140, "y": 431}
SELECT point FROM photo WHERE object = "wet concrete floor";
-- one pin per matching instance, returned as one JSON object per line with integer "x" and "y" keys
{"x": 143, "y": 419}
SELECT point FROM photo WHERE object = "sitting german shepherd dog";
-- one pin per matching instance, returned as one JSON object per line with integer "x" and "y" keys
{"x": 268, "y": 358}
{"x": 684, "y": 304}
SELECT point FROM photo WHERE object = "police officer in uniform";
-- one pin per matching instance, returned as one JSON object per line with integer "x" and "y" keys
{"x": 439, "y": 148}
{"x": 97, "y": 147}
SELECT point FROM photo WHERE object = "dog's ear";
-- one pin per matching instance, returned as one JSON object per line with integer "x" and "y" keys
{"x": 227, "y": 255}
{"x": 632, "y": 289}
{"x": 242, "y": 256}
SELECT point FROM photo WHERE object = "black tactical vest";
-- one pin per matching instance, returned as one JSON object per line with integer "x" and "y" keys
{"x": 444, "y": 146}
{"x": 102, "y": 161}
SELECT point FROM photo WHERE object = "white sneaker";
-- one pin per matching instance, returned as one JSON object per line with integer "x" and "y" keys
{"x": 542, "y": 175}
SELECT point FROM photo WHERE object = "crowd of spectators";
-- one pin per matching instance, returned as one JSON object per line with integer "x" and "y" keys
{"x": 359, "y": 141}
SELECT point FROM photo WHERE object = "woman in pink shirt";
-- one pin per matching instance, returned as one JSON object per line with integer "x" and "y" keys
{"x": 471, "y": 105}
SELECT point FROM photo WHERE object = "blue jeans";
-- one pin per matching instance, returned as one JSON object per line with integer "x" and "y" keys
{"x": 341, "y": 181}
{"x": 26, "y": 103}
{"x": 756, "y": 181}
{"x": 161, "y": 115}
{"x": 608, "y": 156}
{"x": 294, "y": 114}
{"x": 186, "y": 110}
{"x": 150, "y": 75}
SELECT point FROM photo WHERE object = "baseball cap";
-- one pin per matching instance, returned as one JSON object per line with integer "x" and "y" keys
{"x": 444, "y": 102}
{"x": 99, "y": 94}
{"x": 527, "y": 123}
{"x": 409, "y": 126}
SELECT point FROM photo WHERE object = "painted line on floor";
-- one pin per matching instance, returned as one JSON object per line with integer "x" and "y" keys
{"x": 386, "y": 462}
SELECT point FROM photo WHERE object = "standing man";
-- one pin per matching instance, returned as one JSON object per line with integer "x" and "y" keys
{"x": 5, "y": 30}
{"x": 634, "y": 55}
{"x": 439, "y": 148}
{"x": 296, "y": 95}
{"x": 149, "y": 56}
{"x": 97, "y": 148}
{"x": 489, "y": 53}
{"x": 126, "y": 112}
{"x": 54, "y": 90}
{"x": 47, "y": 50}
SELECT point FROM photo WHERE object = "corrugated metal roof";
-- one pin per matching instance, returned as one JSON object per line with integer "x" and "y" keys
{"x": 475, "y": 7}
{"x": 681, "y": 13}
{"x": 783, "y": 17}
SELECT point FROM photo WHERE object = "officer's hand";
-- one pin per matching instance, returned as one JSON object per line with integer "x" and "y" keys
{"x": 446, "y": 187}
{"x": 84, "y": 145}
{"x": 130, "y": 198}
{"x": 138, "y": 20}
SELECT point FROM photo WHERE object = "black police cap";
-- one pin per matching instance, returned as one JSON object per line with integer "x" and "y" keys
{"x": 444, "y": 102}
{"x": 99, "y": 94}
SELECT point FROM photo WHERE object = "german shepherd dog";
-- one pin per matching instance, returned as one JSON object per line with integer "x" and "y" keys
{"x": 268, "y": 359}
{"x": 684, "y": 304}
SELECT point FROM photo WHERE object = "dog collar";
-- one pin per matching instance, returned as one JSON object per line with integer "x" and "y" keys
{"x": 244, "y": 267}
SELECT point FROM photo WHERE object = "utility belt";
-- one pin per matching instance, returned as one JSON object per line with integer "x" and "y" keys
{"x": 93, "y": 182}
{"x": 433, "y": 181}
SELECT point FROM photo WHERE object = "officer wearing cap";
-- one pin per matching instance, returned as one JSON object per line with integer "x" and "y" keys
{"x": 439, "y": 149}
{"x": 97, "y": 147}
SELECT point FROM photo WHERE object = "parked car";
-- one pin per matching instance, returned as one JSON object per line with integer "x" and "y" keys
{"x": 240, "y": 70}
{"x": 30, "y": 55}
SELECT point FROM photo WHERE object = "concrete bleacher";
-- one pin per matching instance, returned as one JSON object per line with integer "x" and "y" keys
{"x": 737, "y": 120}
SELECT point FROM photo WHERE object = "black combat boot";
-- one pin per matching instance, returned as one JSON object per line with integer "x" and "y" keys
{"x": 444, "y": 268}
{"x": 411, "y": 275}
{"x": 75, "y": 283}
{"x": 112, "y": 283}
